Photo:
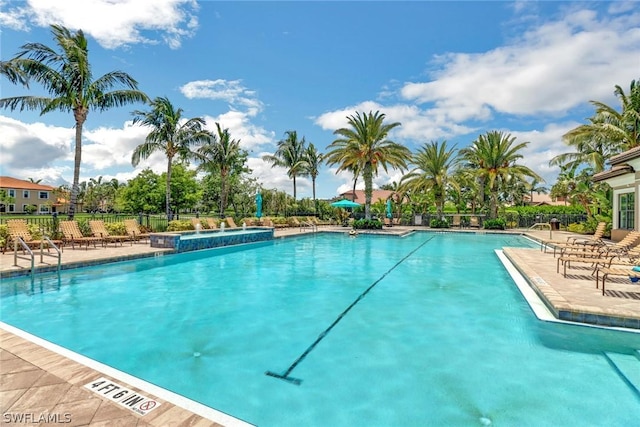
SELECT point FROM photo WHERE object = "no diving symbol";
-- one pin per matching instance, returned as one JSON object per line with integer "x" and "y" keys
{"x": 148, "y": 405}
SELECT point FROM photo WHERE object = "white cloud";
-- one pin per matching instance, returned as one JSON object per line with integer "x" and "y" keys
{"x": 551, "y": 69}
{"x": 109, "y": 147}
{"x": 240, "y": 127}
{"x": 230, "y": 91}
{"x": 112, "y": 23}
{"x": 32, "y": 146}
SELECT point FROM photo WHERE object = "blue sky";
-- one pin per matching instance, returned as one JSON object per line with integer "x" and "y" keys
{"x": 444, "y": 70}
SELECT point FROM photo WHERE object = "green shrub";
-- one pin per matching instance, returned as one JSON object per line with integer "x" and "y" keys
{"x": 367, "y": 224}
{"x": 4, "y": 235}
{"x": 439, "y": 223}
{"x": 116, "y": 228}
{"x": 495, "y": 224}
{"x": 179, "y": 225}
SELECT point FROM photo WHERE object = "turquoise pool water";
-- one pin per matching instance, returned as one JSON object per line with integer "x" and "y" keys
{"x": 443, "y": 337}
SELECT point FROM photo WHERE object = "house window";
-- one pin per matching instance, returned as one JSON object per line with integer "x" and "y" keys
{"x": 25, "y": 194}
{"x": 43, "y": 195}
{"x": 12, "y": 207}
{"x": 12, "y": 192}
{"x": 626, "y": 213}
{"x": 44, "y": 209}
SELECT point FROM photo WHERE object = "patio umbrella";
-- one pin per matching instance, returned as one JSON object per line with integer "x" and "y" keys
{"x": 344, "y": 203}
{"x": 389, "y": 214}
{"x": 258, "y": 205}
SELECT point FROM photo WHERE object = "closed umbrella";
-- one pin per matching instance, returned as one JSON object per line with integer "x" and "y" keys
{"x": 389, "y": 214}
{"x": 258, "y": 205}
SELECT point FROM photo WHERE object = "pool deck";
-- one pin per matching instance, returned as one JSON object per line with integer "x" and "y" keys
{"x": 36, "y": 381}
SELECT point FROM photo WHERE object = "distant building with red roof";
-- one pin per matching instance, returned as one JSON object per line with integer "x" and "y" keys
{"x": 376, "y": 195}
{"x": 24, "y": 195}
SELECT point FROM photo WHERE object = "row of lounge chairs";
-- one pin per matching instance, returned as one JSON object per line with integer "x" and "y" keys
{"x": 72, "y": 235}
{"x": 605, "y": 260}
{"x": 212, "y": 223}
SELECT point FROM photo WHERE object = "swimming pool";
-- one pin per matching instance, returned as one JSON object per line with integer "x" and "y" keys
{"x": 443, "y": 337}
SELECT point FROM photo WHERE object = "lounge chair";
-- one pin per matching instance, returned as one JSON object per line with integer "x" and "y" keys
{"x": 395, "y": 221}
{"x": 387, "y": 222}
{"x": 598, "y": 256}
{"x": 574, "y": 241}
{"x": 133, "y": 230}
{"x": 474, "y": 222}
{"x": 266, "y": 222}
{"x": 98, "y": 229}
{"x": 230, "y": 222}
{"x": 18, "y": 229}
{"x": 605, "y": 273}
{"x": 456, "y": 221}
{"x": 72, "y": 235}
{"x": 211, "y": 223}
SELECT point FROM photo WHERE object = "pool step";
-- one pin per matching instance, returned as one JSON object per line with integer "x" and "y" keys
{"x": 627, "y": 367}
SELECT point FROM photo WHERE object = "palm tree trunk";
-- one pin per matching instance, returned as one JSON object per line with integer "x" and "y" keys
{"x": 353, "y": 194}
{"x": 294, "y": 188}
{"x": 367, "y": 175}
{"x": 315, "y": 202}
{"x": 223, "y": 193}
{"x": 493, "y": 204}
{"x": 168, "y": 191}
{"x": 80, "y": 117}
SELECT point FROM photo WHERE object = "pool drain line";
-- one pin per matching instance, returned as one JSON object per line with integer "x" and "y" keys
{"x": 285, "y": 375}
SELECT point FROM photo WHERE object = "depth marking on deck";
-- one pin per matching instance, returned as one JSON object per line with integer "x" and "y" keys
{"x": 123, "y": 396}
{"x": 285, "y": 375}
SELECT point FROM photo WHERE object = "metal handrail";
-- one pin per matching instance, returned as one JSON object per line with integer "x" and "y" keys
{"x": 304, "y": 224}
{"x": 58, "y": 253}
{"x": 546, "y": 224}
{"x": 16, "y": 256}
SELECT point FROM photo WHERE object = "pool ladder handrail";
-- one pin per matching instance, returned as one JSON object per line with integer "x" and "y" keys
{"x": 304, "y": 224}
{"x": 31, "y": 257}
{"x": 543, "y": 224}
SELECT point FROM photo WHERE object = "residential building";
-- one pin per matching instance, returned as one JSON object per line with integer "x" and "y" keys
{"x": 376, "y": 196}
{"x": 26, "y": 197}
{"x": 624, "y": 179}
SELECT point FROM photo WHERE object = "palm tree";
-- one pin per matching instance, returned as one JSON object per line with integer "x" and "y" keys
{"x": 431, "y": 173}
{"x": 608, "y": 132}
{"x": 364, "y": 147}
{"x": 623, "y": 128}
{"x": 66, "y": 76}
{"x": 535, "y": 187}
{"x": 314, "y": 160}
{"x": 221, "y": 154}
{"x": 291, "y": 155}
{"x": 493, "y": 156}
{"x": 592, "y": 147}
{"x": 171, "y": 134}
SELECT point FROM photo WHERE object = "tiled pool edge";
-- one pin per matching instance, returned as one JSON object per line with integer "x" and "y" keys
{"x": 50, "y": 268}
{"x": 209, "y": 239}
{"x": 559, "y": 308}
{"x": 177, "y": 400}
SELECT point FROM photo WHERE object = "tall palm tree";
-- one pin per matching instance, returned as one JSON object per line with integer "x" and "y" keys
{"x": 364, "y": 146}
{"x": 493, "y": 157}
{"x": 221, "y": 154}
{"x": 170, "y": 134}
{"x": 608, "y": 132}
{"x": 433, "y": 161}
{"x": 66, "y": 76}
{"x": 291, "y": 155}
{"x": 314, "y": 161}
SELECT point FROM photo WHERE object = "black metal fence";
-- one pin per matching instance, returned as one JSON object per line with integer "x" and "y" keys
{"x": 513, "y": 220}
